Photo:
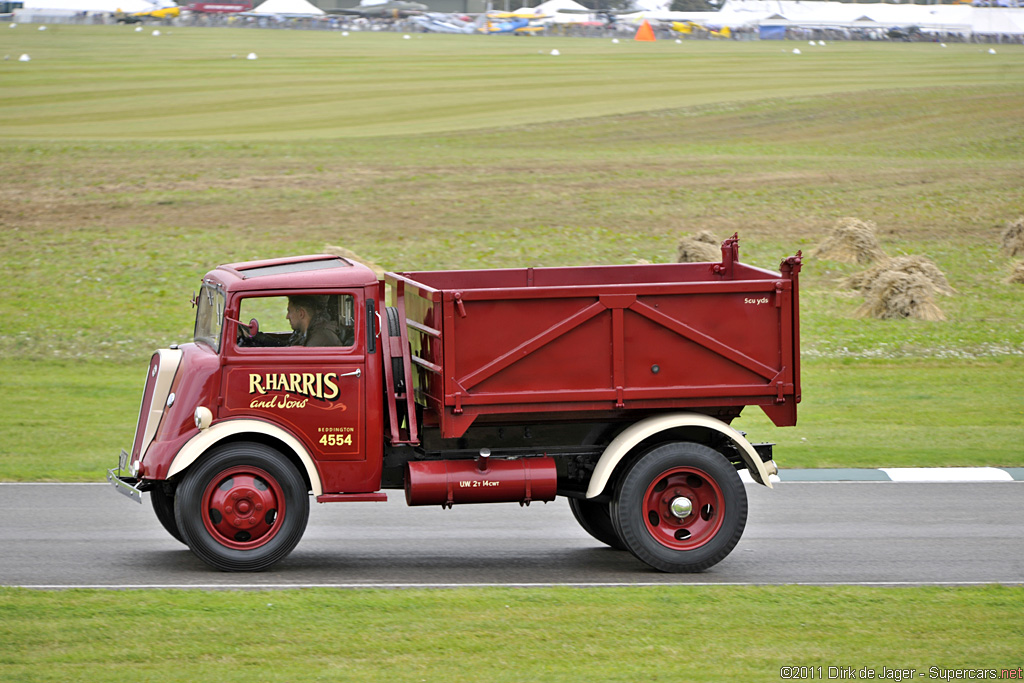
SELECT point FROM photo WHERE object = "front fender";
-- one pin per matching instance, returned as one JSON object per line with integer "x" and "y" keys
{"x": 622, "y": 444}
{"x": 208, "y": 438}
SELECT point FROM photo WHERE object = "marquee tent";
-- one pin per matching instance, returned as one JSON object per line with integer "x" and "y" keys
{"x": 813, "y": 14}
{"x": 128, "y": 6}
{"x": 286, "y": 8}
{"x": 552, "y": 7}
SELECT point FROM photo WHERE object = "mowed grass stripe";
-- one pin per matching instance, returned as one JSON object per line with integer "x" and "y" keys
{"x": 105, "y": 82}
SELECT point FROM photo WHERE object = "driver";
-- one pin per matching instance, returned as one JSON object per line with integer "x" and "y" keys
{"x": 309, "y": 320}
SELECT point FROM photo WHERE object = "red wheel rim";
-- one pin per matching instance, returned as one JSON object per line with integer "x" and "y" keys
{"x": 665, "y": 501}
{"x": 243, "y": 507}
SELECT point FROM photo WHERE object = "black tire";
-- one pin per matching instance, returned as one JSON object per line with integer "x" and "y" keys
{"x": 680, "y": 474}
{"x": 397, "y": 364}
{"x": 162, "y": 498}
{"x": 243, "y": 507}
{"x": 596, "y": 521}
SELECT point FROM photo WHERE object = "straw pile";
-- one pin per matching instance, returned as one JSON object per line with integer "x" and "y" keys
{"x": 900, "y": 295}
{"x": 911, "y": 265}
{"x": 1017, "y": 276}
{"x": 700, "y": 248}
{"x": 1013, "y": 237}
{"x": 851, "y": 241}
{"x": 352, "y": 256}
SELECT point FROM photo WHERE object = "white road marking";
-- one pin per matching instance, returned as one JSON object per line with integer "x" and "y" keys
{"x": 947, "y": 474}
{"x": 650, "y": 584}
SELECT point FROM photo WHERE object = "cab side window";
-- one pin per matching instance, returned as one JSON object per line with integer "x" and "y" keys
{"x": 301, "y": 320}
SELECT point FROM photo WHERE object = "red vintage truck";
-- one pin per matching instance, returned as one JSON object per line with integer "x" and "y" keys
{"x": 613, "y": 386}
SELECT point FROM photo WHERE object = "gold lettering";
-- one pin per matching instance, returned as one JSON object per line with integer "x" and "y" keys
{"x": 331, "y": 386}
{"x": 319, "y": 385}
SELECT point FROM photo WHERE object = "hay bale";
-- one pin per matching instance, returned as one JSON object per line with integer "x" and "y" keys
{"x": 900, "y": 295}
{"x": 851, "y": 241}
{"x": 912, "y": 265}
{"x": 1013, "y": 237}
{"x": 702, "y": 247}
{"x": 352, "y": 256}
{"x": 1017, "y": 276}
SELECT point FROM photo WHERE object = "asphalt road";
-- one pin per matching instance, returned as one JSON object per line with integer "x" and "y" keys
{"x": 60, "y": 535}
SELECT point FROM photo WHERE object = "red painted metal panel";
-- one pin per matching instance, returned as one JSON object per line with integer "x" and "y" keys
{"x": 449, "y": 482}
{"x": 374, "y": 497}
{"x": 606, "y": 339}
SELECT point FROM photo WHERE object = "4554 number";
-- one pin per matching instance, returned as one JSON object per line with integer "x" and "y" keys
{"x": 336, "y": 440}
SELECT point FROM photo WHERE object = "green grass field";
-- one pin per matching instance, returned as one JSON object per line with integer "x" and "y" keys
{"x": 113, "y": 83}
{"x": 132, "y": 164}
{"x": 675, "y": 633}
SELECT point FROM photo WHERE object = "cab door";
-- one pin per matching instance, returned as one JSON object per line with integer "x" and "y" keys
{"x": 315, "y": 392}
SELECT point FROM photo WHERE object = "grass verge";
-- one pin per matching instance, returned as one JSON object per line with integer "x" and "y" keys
{"x": 558, "y": 634}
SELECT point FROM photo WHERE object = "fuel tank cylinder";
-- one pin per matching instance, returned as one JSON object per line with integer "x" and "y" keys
{"x": 483, "y": 480}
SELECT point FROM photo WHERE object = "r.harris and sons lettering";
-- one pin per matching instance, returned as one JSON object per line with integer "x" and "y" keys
{"x": 278, "y": 401}
{"x": 321, "y": 385}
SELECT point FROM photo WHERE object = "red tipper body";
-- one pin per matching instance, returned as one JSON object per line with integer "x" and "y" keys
{"x": 488, "y": 344}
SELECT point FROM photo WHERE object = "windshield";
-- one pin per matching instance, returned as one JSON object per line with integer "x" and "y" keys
{"x": 210, "y": 315}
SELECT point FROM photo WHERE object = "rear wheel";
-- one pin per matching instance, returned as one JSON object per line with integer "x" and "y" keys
{"x": 242, "y": 508}
{"x": 163, "y": 505}
{"x": 595, "y": 520}
{"x": 680, "y": 508}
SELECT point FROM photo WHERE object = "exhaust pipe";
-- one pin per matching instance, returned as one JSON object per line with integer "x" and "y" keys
{"x": 447, "y": 482}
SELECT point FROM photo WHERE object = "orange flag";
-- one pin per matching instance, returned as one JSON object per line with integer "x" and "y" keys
{"x": 645, "y": 32}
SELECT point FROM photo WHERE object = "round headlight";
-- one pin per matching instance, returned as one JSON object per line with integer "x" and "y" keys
{"x": 203, "y": 417}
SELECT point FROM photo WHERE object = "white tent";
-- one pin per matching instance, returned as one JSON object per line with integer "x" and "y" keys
{"x": 814, "y": 14}
{"x": 128, "y": 6}
{"x": 287, "y": 8}
{"x": 958, "y": 18}
{"x": 551, "y": 8}
{"x": 998, "y": 20}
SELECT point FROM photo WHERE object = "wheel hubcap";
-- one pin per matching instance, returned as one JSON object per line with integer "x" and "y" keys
{"x": 683, "y": 508}
{"x": 243, "y": 507}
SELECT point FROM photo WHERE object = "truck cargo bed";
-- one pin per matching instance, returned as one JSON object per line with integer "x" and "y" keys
{"x": 489, "y": 343}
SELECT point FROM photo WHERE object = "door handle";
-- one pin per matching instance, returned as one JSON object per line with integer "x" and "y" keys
{"x": 355, "y": 373}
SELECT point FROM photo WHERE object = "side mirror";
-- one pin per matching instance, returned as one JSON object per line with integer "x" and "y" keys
{"x": 247, "y": 331}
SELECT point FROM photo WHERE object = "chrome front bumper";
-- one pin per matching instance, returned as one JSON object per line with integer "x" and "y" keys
{"x": 125, "y": 485}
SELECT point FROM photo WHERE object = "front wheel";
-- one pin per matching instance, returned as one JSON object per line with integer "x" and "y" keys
{"x": 680, "y": 508}
{"x": 242, "y": 508}
{"x": 163, "y": 505}
{"x": 595, "y": 520}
